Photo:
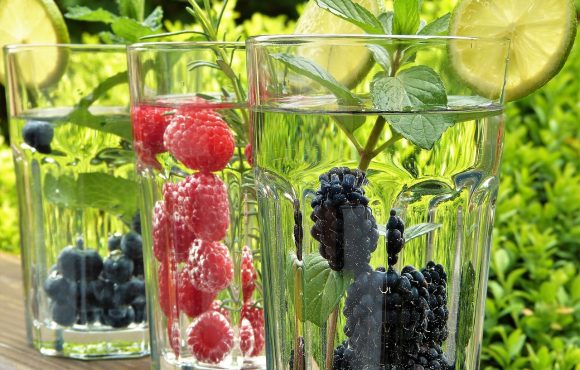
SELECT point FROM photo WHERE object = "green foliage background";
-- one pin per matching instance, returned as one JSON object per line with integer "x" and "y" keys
{"x": 533, "y": 308}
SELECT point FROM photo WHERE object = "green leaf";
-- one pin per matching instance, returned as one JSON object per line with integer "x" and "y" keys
{"x": 381, "y": 56}
{"x": 313, "y": 71}
{"x": 117, "y": 125}
{"x": 130, "y": 29}
{"x": 406, "y": 20}
{"x": 93, "y": 190}
{"x": 353, "y": 13}
{"x": 386, "y": 20}
{"x": 350, "y": 123}
{"x": 155, "y": 19}
{"x": 418, "y": 230}
{"x": 323, "y": 289}
{"x": 439, "y": 27}
{"x": 414, "y": 89}
{"x": 102, "y": 88}
{"x": 132, "y": 9}
{"x": 82, "y": 13}
{"x": 423, "y": 130}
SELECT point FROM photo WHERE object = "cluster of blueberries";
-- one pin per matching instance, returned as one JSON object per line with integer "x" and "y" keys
{"x": 85, "y": 289}
{"x": 393, "y": 321}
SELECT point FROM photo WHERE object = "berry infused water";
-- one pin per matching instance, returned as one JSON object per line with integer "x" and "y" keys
{"x": 375, "y": 264}
{"x": 206, "y": 289}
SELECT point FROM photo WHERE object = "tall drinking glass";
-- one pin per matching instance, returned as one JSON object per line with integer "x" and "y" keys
{"x": 80, "y": 232}
{"x": 190, "y": 124}
{"x": 377, "y": 172}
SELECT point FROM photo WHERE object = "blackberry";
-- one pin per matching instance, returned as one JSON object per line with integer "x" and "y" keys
{"x": 342, "y": 357}
{"x": 38, "y": 134}
{"x": 436, "y": 278}
{"x": 343, "y": 223}
{"x": 395, "y": 239}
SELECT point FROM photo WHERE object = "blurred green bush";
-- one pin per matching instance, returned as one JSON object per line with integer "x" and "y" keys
{"x": 533, "y": 308}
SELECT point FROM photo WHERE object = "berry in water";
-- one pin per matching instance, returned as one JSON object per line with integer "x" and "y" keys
{"x": 255, "y": 315}
{"x": 249, "y": 274}
{"x": 118, "y": 268}
{"x": 38, "y": 134}
{"x": 119, "y": 317}
{"x": 200, "y": 139}
{"x": 114, "y": 242}
{"x": 210, "y": 266}
{"x": 132, "y": 245}
{"x": 149, "y": 124}
{"x": 69, "y": 263}
{"x": 64, "y": 314}
{"x": 60, "y": 289}
{"x": 192, "y": 301}
{"x": 91, "y": 263}
{"x": 210, "y": 337}
{"x": 246, "y": 337}
{"x": 343, "y": 223}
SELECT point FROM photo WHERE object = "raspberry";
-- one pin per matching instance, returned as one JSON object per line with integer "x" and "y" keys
{"x": 246, "y": 337}
{"x": 210, "y": 337}
{"x": 204, "y": 206}
{"x": 166, "y": 298}
{"x": 217, "y": 306}
{"x": 149, "y": 124}
{"x": 169, "y": 227}
{"x": 200, "y": 139}
{"x": 211, "y": 266}
{"x": 173, "y": 335}
{"x": 255, "y": 315}
{"x": 249, "y": 274}
{"x": 249, "y": 153}
{"x": 191, "y": 301}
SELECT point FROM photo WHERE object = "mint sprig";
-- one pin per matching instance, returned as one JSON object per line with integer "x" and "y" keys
{"x": 353, "y": 13}
{"x": 406, "y": 20}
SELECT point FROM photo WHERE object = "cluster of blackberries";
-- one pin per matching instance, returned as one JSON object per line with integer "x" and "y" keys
{"x": 388, "y": 321}
{"x": 343, "y": 223}
{"x": 84, "y": 289}
{"x": 395, "y": 238}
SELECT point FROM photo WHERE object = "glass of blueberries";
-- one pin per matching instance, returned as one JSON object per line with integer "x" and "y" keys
{"x": 81, "y": 246}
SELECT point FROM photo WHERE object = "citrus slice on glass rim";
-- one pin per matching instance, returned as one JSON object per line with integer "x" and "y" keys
{"x": 541, "y": 34}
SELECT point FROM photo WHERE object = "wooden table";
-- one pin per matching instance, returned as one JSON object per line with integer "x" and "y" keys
{"x": 15, "y": 352}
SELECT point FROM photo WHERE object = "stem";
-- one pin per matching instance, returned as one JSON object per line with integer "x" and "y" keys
{"x": 350, "y": 136}
{"x": 368, "y": 151}
{"x": 396, "y": 137}
{"x": 330, "y": 334}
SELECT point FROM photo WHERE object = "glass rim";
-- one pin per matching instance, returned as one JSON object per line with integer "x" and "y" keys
{"x": 276, "y": 40}
{"x": 177, "y": 45}
{"x": 80, "y": 47}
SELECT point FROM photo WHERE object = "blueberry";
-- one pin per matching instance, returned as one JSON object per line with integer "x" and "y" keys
{"x": 118, "y": 269}
{"x": 89, "y": 315}
{"x": 93, "y": 264}
{"x": 104, "y": 292}
{"x": 114, "y": 242}
{"x": 138, "y": 269}
{"x": 119, "y": 317}
{"x": 136, "y": 222}
{"x": 132, "y": 245}
{"x": 64, "y": 314}
{"x": 69, "y": 263}
{"x": 138, "y": 305}
{"x": 38, "y": 134}
{"x": 60, "y": 289}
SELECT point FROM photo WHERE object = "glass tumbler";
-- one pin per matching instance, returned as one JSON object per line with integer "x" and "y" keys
{"x": 377, "y": 171}
{"x": 190, "y": 124}
{"x": 80, "y": 231}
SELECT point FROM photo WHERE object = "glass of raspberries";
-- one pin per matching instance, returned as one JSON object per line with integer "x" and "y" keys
{"x": 377, "y": 173}
{"x": 81, "y": 243}
{"x": 191, "y": 139}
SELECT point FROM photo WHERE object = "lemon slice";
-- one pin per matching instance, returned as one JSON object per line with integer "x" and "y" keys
{"x": 541, "y": 32}
{"x": 348, "y": 64}
{"x": 34, "y": 22}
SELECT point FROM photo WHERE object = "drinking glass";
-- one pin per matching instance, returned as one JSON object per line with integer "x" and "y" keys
{"x": 377, "y": 172}
{"x": 190, "y": 124}
{"x": 81, "y": 249}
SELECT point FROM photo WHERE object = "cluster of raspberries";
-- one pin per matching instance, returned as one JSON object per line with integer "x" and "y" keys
{"x": 189, "y": 225}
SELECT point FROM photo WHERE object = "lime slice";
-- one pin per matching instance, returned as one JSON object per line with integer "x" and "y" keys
{"x": 347, "y": 64}
{"x": 34, "y": 22}
{"x": 542, "y": 33}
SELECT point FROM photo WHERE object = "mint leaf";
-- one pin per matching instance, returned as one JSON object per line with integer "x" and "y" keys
{"x": 418, "y": 230}
{"x": 353, "y": 13}
{"x": 381, "y": 56}
{"x": 130, "y": 29}
{"x": 102, "y": 88}
{"x": 406, "y": 20}
{"x": 155, "y": 19}
{"x": 132, "y": 8}
{"x": 313, "y": 71}
{"x": 386, "y": 20}
{"x": 439, "y": 27}
{"x": 423, "y": 130}
{"x": 349, "y": 123}
{"x": 323, "y": 289}
{"x": 119, "y": 125}
{"x": 418, "y": 86}
{"x": 93, "y": 190}
{"x": 82, "y": 13}
{"x": 412, "y": 90}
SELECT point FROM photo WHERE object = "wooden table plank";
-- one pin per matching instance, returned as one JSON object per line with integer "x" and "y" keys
{"x": 15, "y": 354}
